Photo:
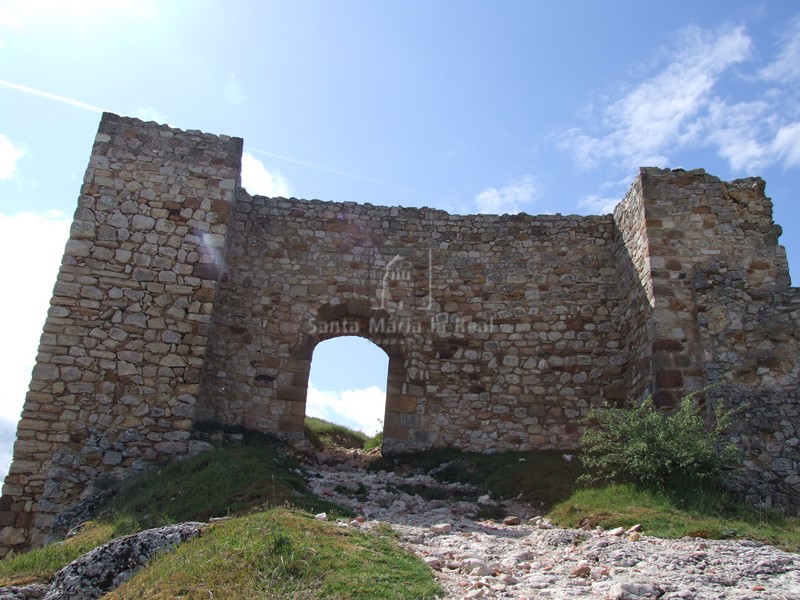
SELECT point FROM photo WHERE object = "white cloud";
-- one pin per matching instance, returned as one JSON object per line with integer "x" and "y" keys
{"x": 787, "y": 65}
{"x": 9, "y": 19}
{"x": 787, "y": 145}
{"x": 151, "y": 114}
{"x": 657, "y": 114}
{"x": 257, "y": 180}
{"x": 363, "y": 409}
{"x": 597, "y": 204}
{"x": 9, "y": 155}
{"x": 31, "y": 246}
{"x": 510, "y": 199}
{"x": 735, "y": 129}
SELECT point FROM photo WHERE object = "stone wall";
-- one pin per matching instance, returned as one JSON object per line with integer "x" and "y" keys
{"x": 751, "y": 355}
{"x": 691, "y": 218}
{"x": 501, "y": 331}
{"x": 181, "y": 298}
{"x": 635, "y": 293}
{"x": 117, "y": 374}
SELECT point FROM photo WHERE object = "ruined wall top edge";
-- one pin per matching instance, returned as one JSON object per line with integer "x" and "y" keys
{"x": 422, "y": 213}
{"x": 111, "y": 124}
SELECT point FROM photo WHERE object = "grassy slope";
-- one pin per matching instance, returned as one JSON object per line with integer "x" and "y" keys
{"x": 227, "y": 481}
{"x": 707, "y": 514}
{"x": 283, "y": 554}
{"x": 267, "y": 553}
{"x": 324, "y": 434}
{"x": 41, "y": 564}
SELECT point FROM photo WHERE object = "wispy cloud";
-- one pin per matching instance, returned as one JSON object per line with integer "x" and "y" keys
{"x": 737, "y": 130}
{"x": 787, "y": 145}
{"x": 319, "y": 167}
{"x": 690, "y": 103}
{"x": 658, "y": 114}
{"x": 50, "y": 96}
{"x": 510, "y": 199}
{"x": 9, "y": 155}
{"x": 363, "y": 409}
{"x": 598, "y": 204}
{"x": 787, "y": 64}
{"x": 258, "y": 180}
{"x": 151, "y": 114}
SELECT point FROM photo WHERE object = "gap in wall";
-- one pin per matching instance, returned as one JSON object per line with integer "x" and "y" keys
{"x": 347, "y": 383}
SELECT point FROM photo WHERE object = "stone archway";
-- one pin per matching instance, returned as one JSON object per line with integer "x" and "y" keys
{"x": 359, "y": 318}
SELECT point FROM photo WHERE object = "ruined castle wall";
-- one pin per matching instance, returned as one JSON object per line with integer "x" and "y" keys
{"x": 751, "y": 354}
{"x": 693, "y": 218}
{"x": 117, "y": 374}
{"x": 182, "y": 298}
{"x": 507, "y": 327}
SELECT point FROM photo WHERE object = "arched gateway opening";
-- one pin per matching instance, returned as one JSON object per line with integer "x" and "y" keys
{"x": 347, "y": 385}
{"x": 356, "y": 318}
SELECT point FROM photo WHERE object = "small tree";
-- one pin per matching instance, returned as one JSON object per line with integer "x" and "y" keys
{"x": 655, "y": 447}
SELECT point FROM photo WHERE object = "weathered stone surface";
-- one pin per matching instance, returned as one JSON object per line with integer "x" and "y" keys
{"x": 100, "y": 380}
{"x": 28, "y": 592}
{"x": 110, "y": 565}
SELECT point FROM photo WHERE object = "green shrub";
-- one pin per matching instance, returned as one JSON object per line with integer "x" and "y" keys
{"x": 655, "y": 447}
{"x": 374, "y": 442}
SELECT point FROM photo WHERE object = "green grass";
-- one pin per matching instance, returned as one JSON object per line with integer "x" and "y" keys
{"x": 324, "y": 434}
{"x": 705, "y": 513}
{"x": 223, "y": 482}
{"x": 226, "y": 481}
{"x": 374, "y": 442}
{"x": 40, "y": 564}
{"x": 283, "y": 554}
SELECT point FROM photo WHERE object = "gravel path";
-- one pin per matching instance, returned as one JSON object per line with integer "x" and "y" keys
{"x": 531, "y": 559}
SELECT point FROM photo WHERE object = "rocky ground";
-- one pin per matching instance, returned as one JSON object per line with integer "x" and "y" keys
{"x": 524, "y": 556}
{"x": 520, "y": 556}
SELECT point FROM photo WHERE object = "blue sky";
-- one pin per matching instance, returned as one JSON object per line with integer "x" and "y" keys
{"x": 460, "y": 105}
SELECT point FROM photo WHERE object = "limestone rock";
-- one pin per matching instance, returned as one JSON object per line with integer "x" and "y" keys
{"x": 481, "y": 570}
{"x": 104, "y": 568}
{"x": 633, "y": 591}
{"x": 442, "y": 528}
{"x": 28, "y": 592}
{"x": 581, "y": 571}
